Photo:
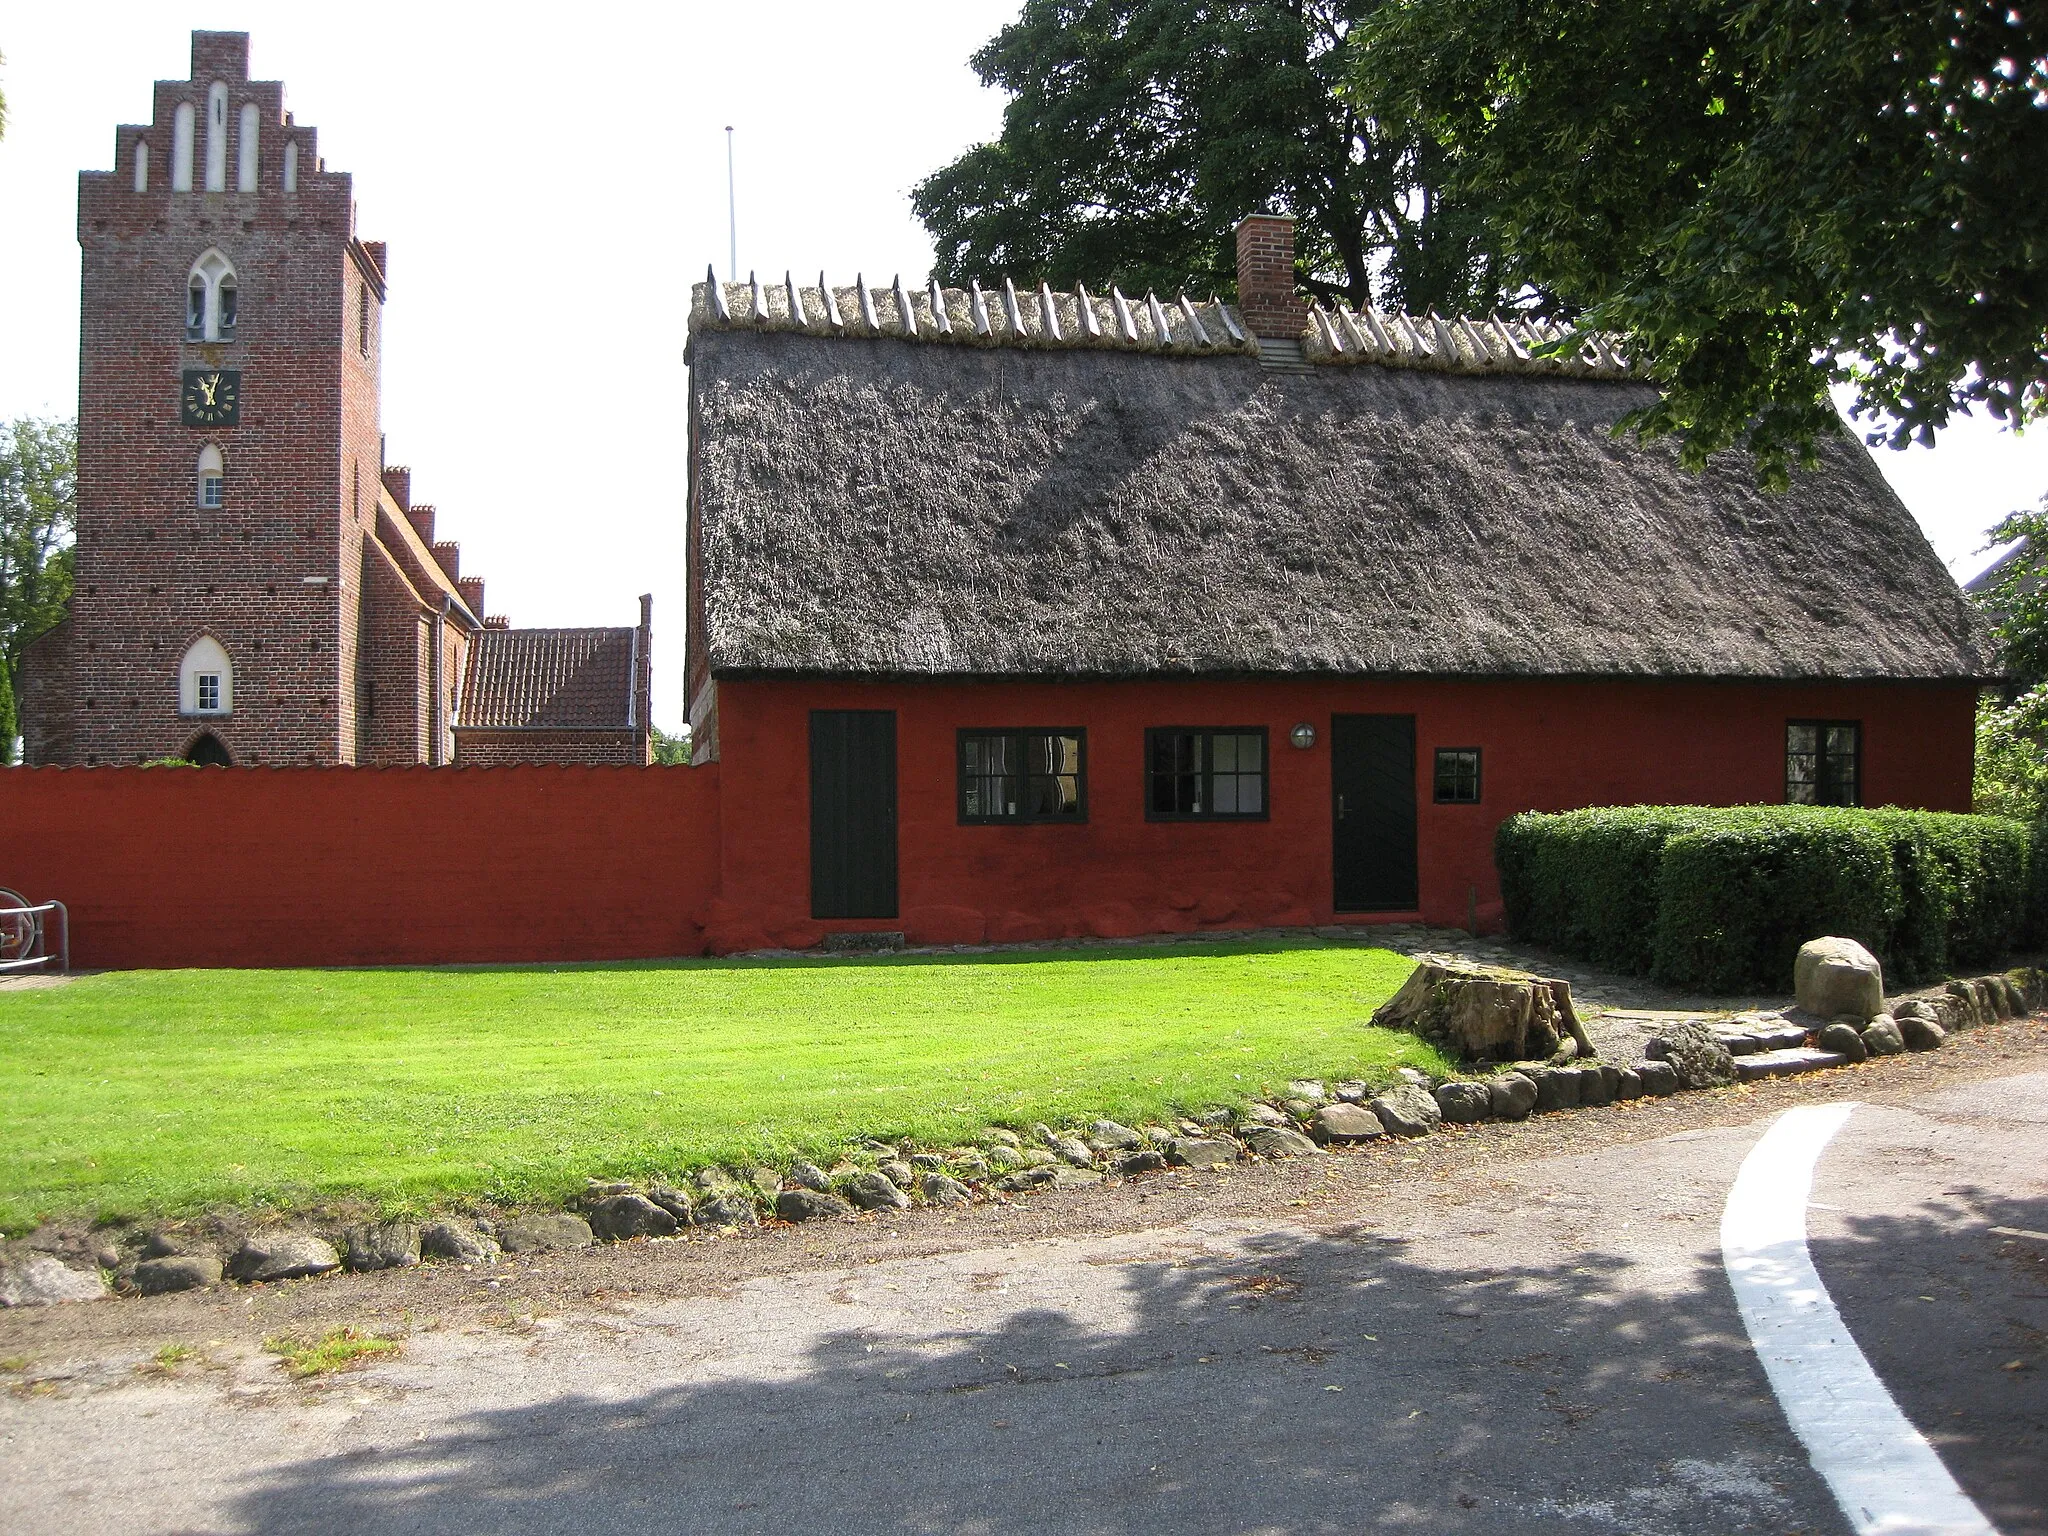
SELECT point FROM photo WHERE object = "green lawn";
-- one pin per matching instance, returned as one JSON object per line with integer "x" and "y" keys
{"x": 167, "y": 1091}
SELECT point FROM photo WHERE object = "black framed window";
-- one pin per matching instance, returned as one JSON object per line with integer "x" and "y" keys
{"x": 1823, "y": 762}
{"x": 1194, "y": 774}
{"x": 1036, "y": 774}
{"x": 1457, "y": 775}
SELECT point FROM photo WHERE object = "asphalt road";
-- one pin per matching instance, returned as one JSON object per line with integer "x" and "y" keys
{"x": 1555, "y": 1350}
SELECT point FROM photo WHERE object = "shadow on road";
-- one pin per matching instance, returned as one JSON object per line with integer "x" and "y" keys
{"x": 1588, "y": 1395}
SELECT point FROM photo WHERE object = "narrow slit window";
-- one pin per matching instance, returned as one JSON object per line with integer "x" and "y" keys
{"x": 1457, "y": 775}
{"x": 212, "y": 472}
{"x": 1195, "y": 774}
{"x": 363, "y": 320}
{"x": 227, "y": 307}
{"x": 1824, "y": 762}
{"x": 1037, "y": 774}
{"x": 195, "y": 309}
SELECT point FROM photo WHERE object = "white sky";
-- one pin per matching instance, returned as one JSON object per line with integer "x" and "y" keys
{"x": 550, "y": 182}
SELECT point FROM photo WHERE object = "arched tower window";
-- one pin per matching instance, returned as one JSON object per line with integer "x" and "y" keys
{"x": 142, "y": 165}
{"x": 211, "y": 299}
{"x": 207, "y": 752}
{"x": 217, "y": 138}
{"x": 206, "y": 680}
{"x": 212, "y": 477}
{"x": 245, "y": 148}
{"x": 181, "y": 148}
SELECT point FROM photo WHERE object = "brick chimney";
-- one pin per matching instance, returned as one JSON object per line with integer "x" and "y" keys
{"x": 472, "y": 590}
{"x": 1265, "y": 277}
{"x": 380, "y": 253}
{"x": 398, "y": 481}
{"x": 448, "y": 555}
{"x": 422, "y": 520}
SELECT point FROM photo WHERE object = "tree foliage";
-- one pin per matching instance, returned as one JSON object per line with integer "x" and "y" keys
{"x": 38, "y": 517}
{"x": 1140, "y": 131}
{"x": 2012, "y": 723}
{"x": 1767, "y": 196}
{"x": 671, "y": 751}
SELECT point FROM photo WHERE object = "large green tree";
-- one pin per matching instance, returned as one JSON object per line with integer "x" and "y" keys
{"x": 1768, "y": 197}
{"x": 38, "y": 518}
{"x": 1139, "y": 131}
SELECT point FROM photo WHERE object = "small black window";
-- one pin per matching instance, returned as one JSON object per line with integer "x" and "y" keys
{"x": 1457, "y": 775}
{"x": 1205, "y": 775}
{"x": 1038, "y": 774}
{"x": 1824, "y": 762}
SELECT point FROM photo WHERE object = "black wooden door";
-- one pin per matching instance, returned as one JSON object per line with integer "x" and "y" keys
{"x": 853, "y": 813}
{"x": 1372, "y": 788}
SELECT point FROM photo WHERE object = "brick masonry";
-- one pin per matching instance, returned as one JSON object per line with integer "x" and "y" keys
{"x": 1266, "y": 292}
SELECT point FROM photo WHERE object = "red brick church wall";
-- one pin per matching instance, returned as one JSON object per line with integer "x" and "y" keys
{"x": 365, "y": 866}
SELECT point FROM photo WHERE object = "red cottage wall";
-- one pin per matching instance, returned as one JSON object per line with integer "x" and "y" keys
{"x": 343, "y": 866}
{"x": 1547, "y": 746}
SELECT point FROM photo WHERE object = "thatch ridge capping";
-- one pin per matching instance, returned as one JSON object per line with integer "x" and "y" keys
{"x": 1333, "y": 336}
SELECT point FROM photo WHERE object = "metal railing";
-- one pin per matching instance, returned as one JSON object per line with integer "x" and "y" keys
{"x": 25, "y": 934}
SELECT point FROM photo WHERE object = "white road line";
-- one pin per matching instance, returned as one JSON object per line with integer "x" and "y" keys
{"x": 1884, "y": 1474}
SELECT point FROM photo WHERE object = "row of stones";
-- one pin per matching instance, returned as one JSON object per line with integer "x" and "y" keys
{"x": 880, "y": 1176}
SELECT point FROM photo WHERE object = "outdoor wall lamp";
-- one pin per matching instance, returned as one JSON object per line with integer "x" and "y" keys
{"x": 1303, "y": 735}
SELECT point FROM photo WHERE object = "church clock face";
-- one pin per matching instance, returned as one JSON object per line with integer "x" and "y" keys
{"x": 211, "y": 397}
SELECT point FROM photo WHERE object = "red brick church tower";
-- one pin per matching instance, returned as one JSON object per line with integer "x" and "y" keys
{"x": 253, "y": 584}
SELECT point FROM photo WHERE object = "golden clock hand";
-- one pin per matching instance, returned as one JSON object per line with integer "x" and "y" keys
{"x": 207, "y": 388}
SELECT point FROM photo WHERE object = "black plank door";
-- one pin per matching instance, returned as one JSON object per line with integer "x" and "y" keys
{"x": 1372, "y": 788}
{"x": 853, "y": 813}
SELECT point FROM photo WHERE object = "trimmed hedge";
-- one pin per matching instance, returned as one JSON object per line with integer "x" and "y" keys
{"x": 1721, "y": 898}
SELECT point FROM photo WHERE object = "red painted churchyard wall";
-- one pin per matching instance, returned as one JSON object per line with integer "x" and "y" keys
{"x": 365, "y": 866}
{"x": 346, "y": 866}
{"x": 1547, "y": 746}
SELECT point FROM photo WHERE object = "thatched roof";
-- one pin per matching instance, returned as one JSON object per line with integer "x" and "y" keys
{"x": 875, "y": 504}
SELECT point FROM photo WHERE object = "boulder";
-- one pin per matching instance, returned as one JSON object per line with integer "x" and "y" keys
{"x": 456, "y": 1241}
{"x": 731, "y": 1208}
{"x": 1510, "y": 1096}
{"x": 1845, "y": 1040}
{"x": 1027, "y": 1179}
{"x": 1144, "y": 1160}
{"x": 285, "y": 1254}
{"x": 1628, "y": 1084}
{"x": 1596, "y": 1085}
{"x": 1916, "y": 1008}
{"x": 1881, "y": 1037}
{"x": 1034, "y": 1157}
{"x": 675, "y": 1201}
{"x": 544, "y": 1230}
{"x": 1309, "y": 1089}
{"x": 619, "y": 1217}
{"x": 897, "y": 1172}
{"x": 806, "y": 1204}
{"x": 1464, "y": 1103}
{"x": 974, "y": 1166}
{"x": 1484, "y": 1013}
{"x": 876, "y": 1192}
{"x": 166, "y": 1242}
{"x": 381, "y": 1245}
{"x": 177, "y": 1272}
{"x": 937, "y": 1189}
{"x": 1265, "y": 1114}
{"x": 1557, "y": 1088}
{"x": 1352, "y": 1092}
{"x": 1277, "y": 1141}
{"x": 1697, "y": 1057}
{"x": 1659, "y": 1079}
{"x": 1075, "y": 1151}
{"x": 1835, "y": 976}
{"x": 1110, "y": 1134}
{"x": 1000, "y": 1136}
{"x": 810, "y": 1176}
{"x": 1920, "y": 1034}
{"x": 1347, "y": 1122}
{"x": 1001, "y": 1159}
{"x": 39, "y": 1280}
{"x": 924, "y": 1162}
{"x": 1407, "y": 1110}
{"x": 1201, "y": 1151}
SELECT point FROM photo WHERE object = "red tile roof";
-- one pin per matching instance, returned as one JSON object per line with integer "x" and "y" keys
{"x": 550, "y": 679}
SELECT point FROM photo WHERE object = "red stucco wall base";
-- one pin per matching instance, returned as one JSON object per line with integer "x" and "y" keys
{"x": 364, "y": 866}
{"x": 340, "y": 866}
{"x": 1547, "y": 746}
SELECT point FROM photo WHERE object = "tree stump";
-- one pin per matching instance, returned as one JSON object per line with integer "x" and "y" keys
{"x": 1484, "y": 1012}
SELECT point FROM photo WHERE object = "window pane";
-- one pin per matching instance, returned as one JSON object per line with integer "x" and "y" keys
{"x": 227, "y": 305}
{"x": 1802, "y": 738}
{"x": 1251, "y": 794}
{"x": 1226, "y": 793}
{"x": 1223, "y": 754}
